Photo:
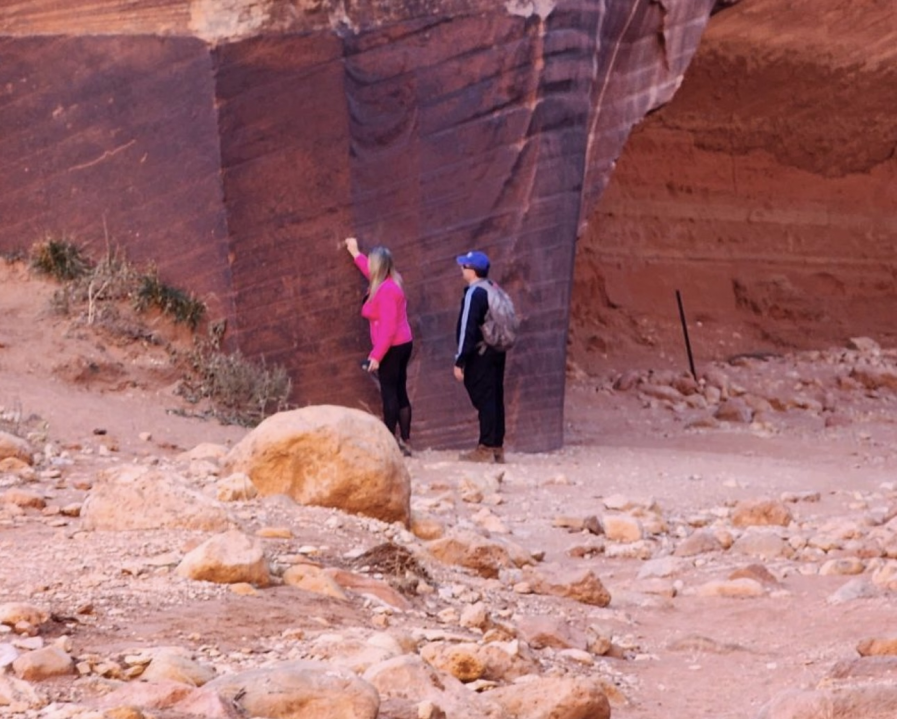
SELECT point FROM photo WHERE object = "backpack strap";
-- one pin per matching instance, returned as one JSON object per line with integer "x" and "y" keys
{"x": 487, "y": 285}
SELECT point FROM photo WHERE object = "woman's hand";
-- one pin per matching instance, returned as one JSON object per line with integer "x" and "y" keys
{"x": 352, "y": 246}
{"x": 459, "y": 374}
{"x": 373, "y": 365}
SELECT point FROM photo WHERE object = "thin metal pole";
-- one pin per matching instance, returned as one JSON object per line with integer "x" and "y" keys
{"x": 691, "y": 361}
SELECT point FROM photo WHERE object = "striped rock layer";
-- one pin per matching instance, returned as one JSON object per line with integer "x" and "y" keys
{"x": 765, "y": 192}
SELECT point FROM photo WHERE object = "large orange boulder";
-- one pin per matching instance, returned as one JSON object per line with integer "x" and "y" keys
{"x": 327, "y": 456}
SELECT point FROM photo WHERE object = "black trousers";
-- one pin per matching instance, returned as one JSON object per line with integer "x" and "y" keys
{"x": 484, "y": 380}
{"x": 393, "y": 376}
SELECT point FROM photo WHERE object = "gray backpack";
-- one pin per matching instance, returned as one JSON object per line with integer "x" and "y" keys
{"x": 501, "y": 324}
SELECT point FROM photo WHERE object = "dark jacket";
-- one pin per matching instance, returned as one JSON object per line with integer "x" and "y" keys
{"x": 469, "y": 333}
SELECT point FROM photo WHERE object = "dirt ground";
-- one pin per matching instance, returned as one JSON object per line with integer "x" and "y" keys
{"x": 100, "y": 401}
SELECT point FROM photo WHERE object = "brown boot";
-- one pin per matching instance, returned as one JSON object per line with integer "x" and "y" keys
{"x": 481, "y": 454}
{"x": 498, "y": 454}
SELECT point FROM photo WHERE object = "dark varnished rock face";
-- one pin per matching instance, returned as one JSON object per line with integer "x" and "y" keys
{"x": 238, "y": 166}
{"x": 117, "y": 133}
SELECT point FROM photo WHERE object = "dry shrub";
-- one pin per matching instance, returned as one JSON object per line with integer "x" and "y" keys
{"x": 59, "y": 259}
{"x": 239, "y": 390}
{"x": 399, "y": 567}
{"x": 181, "y": 306}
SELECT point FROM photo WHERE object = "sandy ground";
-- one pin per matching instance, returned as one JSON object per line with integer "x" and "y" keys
{"x": 105, "y": 402}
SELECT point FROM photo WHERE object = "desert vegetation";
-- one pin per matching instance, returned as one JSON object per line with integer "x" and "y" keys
{"x": 114, "y": 296}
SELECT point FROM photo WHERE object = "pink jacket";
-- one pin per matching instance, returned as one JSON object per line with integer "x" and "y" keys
{"x": 387, "y": 311}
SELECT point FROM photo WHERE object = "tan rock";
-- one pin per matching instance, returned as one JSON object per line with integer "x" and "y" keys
{"x": 575, "y": 583}
{"x": 761, "y": 512}
{"x": 148, "y": 695}
{"x": 763, "y": 544}
{"x": 471, "y": 550}
{"x": 208, "y": 451}
{"x": 758, "y": 573}
{"x": 864, "y": 345}
{"x": 426, "y": 527}
{"x": 327, "y": 456}
{"x": 553, "y": 631}
{"x": 23, "y": 498}
{"x": 553, "y": 698}
{"x": 875, "y": 377}
{"x": 843, "y": 566}
{"x": 460, "y": 660}
{"x": 886, "y": 575}
{"x": 700, "y": 542}
{"x": 299, "y": 689}
{"x": 16, "y": 466}
{"x": 236, "y": 487}
{"x": 207, "y": 704}
{"x": 847, "y": 702}
{"x": 475, "y": 616}
{"x": 734, "y": 410}
{"x": 243, "y": 589}
{"x": 489, "y": 521}
{"x": 410, "y": 678}
{"x": 508, "y": 660}
{"x": 131, "y": 497}
{"x": 622, "y": 527}
{"x": 736, "y": 588}
{"x": 16, "y": 693}
{"x": 314, "y": 579}
{"x": 227, "y": 559}
{"x": 886, "y": 646}
{"x": 274, "y": 533}
{"x": 16, "y": 447}
{"x": 574, "y": 524}
{"x": 177, "y": 665}
{"x": 361, "y": 584}
{"x": 42, "y": 664}
{"x": 355, "y": 650}
{"x": 12, "y": 613}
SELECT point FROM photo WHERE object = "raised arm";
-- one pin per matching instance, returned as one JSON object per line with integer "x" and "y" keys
{"x": 361, "y": 261}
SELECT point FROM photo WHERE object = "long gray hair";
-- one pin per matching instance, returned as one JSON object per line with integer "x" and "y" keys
{"x": 381, "y": 266}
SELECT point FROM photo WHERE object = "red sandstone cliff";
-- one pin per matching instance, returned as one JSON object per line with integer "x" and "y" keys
{"x": 234, "y": 143}
{"x": 765, "y": 191}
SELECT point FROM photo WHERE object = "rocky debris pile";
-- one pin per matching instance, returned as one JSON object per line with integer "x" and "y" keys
{"x": 830, "y": 388}
{"x": 426, "y": 637}
{"x": 170, "y": 587}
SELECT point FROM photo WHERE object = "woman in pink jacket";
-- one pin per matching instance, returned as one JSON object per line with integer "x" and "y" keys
{"x": 386, "y": 309}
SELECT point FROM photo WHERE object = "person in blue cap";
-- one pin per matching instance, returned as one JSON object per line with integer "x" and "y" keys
{"x": 481, "y": 368}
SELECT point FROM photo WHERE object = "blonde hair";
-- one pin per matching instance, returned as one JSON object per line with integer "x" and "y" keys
{"x": 381, "y": 267}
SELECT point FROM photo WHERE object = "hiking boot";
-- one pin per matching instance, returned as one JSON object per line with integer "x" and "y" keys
{"x": 498, "y": 454}
{"x": 405, "y": 447}
{"x": 481, "y": 454}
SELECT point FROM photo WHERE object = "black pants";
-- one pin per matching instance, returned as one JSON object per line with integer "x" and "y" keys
{"x": 393, "y": 375}
{"x": 484, "y": 380}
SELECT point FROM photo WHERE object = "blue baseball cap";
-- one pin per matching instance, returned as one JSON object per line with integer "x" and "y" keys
{"x": 476, "y": 260}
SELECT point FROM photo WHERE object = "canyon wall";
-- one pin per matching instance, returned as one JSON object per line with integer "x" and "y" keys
{"x": 765, "y": 192}
{"x": 235, "y": 143}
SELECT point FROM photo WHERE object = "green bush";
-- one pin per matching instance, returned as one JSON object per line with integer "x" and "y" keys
{"x": 59, "y": 259}
{"x": 181, "y": 306}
